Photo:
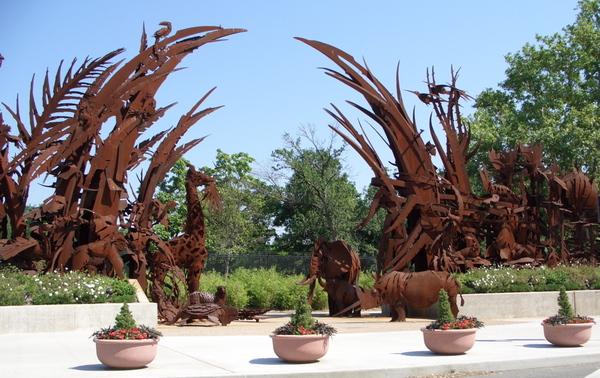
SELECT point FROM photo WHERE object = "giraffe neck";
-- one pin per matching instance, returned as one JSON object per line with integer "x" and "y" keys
{"x": 194, "y": 224}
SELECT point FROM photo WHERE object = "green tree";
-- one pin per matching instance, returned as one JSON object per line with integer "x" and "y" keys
{"x": 173, "y": 189}
{"x": 318, "y": 199}
{"x": 243, "y": 223}
{"x": 551, "y": 95}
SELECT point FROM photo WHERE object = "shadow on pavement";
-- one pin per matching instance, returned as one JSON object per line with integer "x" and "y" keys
{"x": 90, "y": 367}
{"x": 266, "y": 361}
{"x": 418, "y": 353}
{"x": 277, "y": 361}
{"x": 540, "y": 346}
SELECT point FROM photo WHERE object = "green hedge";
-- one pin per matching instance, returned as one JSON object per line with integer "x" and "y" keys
{"x": 507, "y": 280}
{"x": 262, "y": 288}
{"x": 18, "y": 288}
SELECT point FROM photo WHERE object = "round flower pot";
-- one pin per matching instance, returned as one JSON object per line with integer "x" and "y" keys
{"x": 568, "y": 335}
{"x": 451, "y": 341}
{"x": 300, "y": 348}
{"x": 126, "y": 354}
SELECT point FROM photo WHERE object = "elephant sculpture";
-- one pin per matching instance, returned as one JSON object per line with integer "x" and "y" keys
{"x": 342, "y": 294}
{"x": 331, "y": 260}
{"x": 399, "y": 289}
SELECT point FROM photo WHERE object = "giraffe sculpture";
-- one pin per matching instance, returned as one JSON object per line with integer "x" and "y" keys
{"x": 189, "y": 249}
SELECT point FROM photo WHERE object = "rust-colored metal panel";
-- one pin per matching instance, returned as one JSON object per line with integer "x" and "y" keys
{"x": 88, "y": 223}
{"x": 530, "y": 214}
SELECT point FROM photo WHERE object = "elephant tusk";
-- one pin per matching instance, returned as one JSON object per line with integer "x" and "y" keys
{"x": 307, "y": 280}
{"x": 320, "y": 281}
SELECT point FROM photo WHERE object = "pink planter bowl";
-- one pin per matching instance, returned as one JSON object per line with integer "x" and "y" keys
{"x": 300, "y": 348}
{"x": 568, "y": 335}
{"x": 452, "y": 341}
{"x": 126, "y": 354}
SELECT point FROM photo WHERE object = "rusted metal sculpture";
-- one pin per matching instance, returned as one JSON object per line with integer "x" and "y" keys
{"x": 188, "y": 251}
{"x": 418, "y": 290}
{"x": 337, "y": 263}
{"x": 435, "y": 221}
{"x": 203, "y": 305}
{"x": 90, "y": 223}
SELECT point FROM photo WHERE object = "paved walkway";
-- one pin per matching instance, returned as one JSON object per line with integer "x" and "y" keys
{"x": 373, "y": 354}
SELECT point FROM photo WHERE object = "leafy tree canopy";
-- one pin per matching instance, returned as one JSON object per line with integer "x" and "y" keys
{"x": 318, "y": 200}
{"x": 550, "y": 96}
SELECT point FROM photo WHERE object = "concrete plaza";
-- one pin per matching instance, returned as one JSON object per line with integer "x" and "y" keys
{"x": 365, "y": 347}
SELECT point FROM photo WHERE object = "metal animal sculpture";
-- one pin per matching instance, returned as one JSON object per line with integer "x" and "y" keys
{"x": 203, "y": 305}
{"x": 189, "y": 249}
{"x": 341, "y": 294}
{"x": 332, "y": 260}
{"x": 416, "y": 289}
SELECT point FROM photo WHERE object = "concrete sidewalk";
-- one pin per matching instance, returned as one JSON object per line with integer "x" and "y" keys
{"x": 383, "y": 354}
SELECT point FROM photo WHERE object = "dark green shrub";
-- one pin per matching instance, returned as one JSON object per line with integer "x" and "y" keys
{"x": 288, "y": 293}
{"x": 564, "y": 305}
{"x": 124, "y": 319}
{"x": 444, "y": 312}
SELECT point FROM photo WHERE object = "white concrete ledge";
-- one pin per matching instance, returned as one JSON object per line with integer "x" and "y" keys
{"x": 51, "y": 318}
{"x": 519, "y": 305}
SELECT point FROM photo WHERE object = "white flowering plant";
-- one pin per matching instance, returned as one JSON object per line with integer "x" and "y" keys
{"x": 18, "y": 288}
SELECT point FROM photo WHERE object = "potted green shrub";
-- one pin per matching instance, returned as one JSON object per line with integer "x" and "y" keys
{"x": 448, "y": 335}
{"x": 564, "y": 328}
{"x": 302, "y": 339}
{"x": 126, "y": 345}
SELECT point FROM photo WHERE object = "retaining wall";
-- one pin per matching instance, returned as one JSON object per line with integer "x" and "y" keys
{"x": 50, "y": 318}
{"x": 519, "y": 305}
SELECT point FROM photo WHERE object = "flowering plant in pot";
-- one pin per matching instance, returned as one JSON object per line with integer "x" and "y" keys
{"x": 302, "y": 339}
{"x": 565, "y": 328}
{"x": 126, "y": 345}
{"x": 448, "y": 335}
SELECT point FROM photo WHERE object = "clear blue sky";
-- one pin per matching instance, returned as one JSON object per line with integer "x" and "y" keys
{"x": 269, "y": 82}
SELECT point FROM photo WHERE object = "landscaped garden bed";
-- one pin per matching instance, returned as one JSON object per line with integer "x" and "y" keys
{"x": 60, "y": 302}
{"x": 18, "y": 288}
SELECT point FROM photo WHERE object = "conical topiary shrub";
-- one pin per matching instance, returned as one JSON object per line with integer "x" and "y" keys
{"x": 444, "y": 312}
{"x": 124, "y": 319}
